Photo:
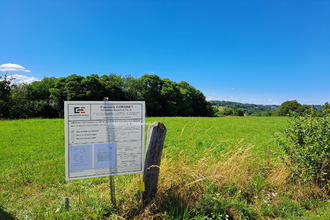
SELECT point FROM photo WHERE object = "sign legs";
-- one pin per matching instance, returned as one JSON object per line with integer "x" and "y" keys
{"x": 112, "y": 190}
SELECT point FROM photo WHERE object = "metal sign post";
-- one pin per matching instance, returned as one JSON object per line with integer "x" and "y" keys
{"x": 112, "y": 178}
{"x": 112, "y": 190}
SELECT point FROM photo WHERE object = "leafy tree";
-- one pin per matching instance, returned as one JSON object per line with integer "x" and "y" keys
{"x": 21, "y": 106}
{"x": 66, "y": 89}
{"x": 185, "y": 108}
{"x": 46, "y": 98}
{"x": 39, "y": 90}
{"x": 5, "y": 97}
{"x": 94, "y": 90}
{"x": 172, "y": 97}
{"x": 326, "y": 108}
{"x": 239, "y": 112}
{"x": 38, "y": 93}
{"x": 219, "y": 114}
{"x": 131, "y": 89}
{"x": 151, "y": 87}
{"x": 303, "y": 109}
{"x": 266, "y": 113}
{"x": 288, "y": 107}
{"x": 113, "y": 86}
{"x": 197, "y": 100}
{"x": 228, "y": 111}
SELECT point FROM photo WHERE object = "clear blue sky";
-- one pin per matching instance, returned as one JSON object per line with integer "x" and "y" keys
{"x": 263, "y": 52}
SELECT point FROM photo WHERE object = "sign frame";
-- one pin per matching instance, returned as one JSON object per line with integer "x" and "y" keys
{"x": 108, "y": 140}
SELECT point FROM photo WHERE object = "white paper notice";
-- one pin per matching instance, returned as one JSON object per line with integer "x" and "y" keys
{"x": 104, "y": 138}
{"x": 80, "y": 157}
{"x": 105, "y": 155}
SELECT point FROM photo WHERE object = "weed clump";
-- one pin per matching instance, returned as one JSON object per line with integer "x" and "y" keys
{"x": 306, "y": 142}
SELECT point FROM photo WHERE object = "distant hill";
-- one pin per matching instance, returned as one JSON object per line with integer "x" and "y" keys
{"x": 250, "y": 109}
{"x": 242, "y": 105}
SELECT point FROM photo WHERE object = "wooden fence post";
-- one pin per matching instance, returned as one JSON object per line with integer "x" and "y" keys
{"x": 155, "y": 143}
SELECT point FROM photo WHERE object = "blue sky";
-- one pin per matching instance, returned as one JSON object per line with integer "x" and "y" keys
{"x": 263, "y": 52}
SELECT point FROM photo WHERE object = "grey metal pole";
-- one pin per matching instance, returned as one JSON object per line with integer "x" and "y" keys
{"x": 112, "y": 190}
{"x": 112, "y": 178}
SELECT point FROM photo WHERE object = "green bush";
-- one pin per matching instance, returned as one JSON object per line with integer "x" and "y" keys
{"x": 306, "y": 141}
{"x": 219, "y": 114}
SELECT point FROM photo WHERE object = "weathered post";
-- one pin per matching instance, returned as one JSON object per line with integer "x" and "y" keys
{"x": 155, "y": 143}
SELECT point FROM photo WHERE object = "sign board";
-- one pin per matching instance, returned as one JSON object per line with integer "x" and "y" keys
{"x": 103, "y": 138}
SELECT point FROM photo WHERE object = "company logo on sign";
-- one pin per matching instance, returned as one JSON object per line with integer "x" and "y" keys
{"x": 79, "y": 110}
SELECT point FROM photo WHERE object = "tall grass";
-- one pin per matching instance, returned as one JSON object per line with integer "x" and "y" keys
{"x": 218, "y": 168}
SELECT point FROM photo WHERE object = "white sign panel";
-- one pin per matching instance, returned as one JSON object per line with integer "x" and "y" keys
{"x": 103, "y": 138}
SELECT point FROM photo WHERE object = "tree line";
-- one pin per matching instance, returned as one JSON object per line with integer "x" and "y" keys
{"x": 46, "y": 98}
{"x": 227, "y": 108}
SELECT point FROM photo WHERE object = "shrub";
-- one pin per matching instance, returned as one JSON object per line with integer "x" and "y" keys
{"x": 219, "y": 114}
{"x": 306, "y": 142}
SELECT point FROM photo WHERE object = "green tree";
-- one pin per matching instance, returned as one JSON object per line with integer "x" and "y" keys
{"x": 288, "y": 107}
{"x": 326, "y": 108}
{"x": 303, "y": 109}
{"x": 227, "y": 111}
{"x": 196, "y": 99}
{"x": 131, "y": 89}
{"x": 151, "y": 87}
{"x": 113, "y": 86}
{"x": 172, "y": 97}
{"x": 46, "y": 98}
{"x": 239, "y": 112}
{"x": 5, "y": 97}
{"x": 93, "y": 89}
{"x": 266, "y": 113}
{"x": 68, "y": 88}
{"x": 38, "y": 93}
{"x": 21, "y": 106}
{"x": 185, "y": 108}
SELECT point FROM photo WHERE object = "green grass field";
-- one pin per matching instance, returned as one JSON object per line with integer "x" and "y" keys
{"x": 212, "y": 168}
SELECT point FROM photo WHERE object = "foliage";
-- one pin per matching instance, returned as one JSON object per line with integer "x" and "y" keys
{"x": 307, "y": 143}
{"x": 238, "y": 112}
{"x": 226, "y": 108}
{"x": 5, "y": 101}
{"x": 287, "y": 107}
{"x": 46, "y": 98}
{"x": 302, "y": 110}
{"x": 326, "y": 108}
{"x": 240, "y": 109}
